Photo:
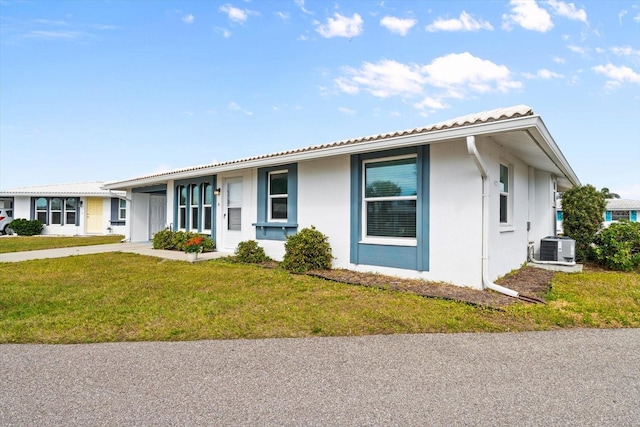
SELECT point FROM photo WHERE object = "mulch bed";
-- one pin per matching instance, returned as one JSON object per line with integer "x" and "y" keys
{"x": 528, "y": 281}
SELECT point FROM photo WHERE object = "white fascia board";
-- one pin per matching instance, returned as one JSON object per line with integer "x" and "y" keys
{"x": 540, "y": 134}
{"x": 430, "y": 137}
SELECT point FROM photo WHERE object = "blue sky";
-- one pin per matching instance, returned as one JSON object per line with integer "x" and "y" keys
{"x": 109, "y": 90}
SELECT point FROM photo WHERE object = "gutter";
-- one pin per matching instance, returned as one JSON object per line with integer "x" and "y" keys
{"x": 486, "y": 283}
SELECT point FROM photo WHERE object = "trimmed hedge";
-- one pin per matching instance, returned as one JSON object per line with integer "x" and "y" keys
{"x": 25, "y": 227}
{"x": 306, "y": 250}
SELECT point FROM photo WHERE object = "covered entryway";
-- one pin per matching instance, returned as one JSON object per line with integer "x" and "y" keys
{"x": 94, "y": 212}
{"x": 148, "y": 212}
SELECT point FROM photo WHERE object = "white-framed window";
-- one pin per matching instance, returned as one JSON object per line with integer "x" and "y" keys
{"x": 122, "y": 210}
{"x": 506, "y": 203}
{"x": 56, "y": 211}
{"x": 41, "y": 209}
{"x": 207, "y": 205}
{"x": 390, "y": 200}
{"x": 278, "y": 195}
{"x": 70, "y": 211}
{"x": 182, "y": 207}
{"x": 618, "y": 215}
{"x": 194, "y": 200}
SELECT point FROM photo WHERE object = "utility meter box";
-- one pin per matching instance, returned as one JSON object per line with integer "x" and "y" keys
{"x": 556, "y": 248}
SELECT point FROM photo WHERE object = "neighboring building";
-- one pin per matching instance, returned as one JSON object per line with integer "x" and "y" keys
{"x": 458, "y": 201}
{"x": 70, "y": 209}
{"x": 617, "y": 209}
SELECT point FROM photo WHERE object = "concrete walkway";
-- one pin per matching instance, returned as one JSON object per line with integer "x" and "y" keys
{"x": 137, "y": 248}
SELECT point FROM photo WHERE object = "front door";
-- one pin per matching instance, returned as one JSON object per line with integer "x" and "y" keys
{"x": 232, "y": 213}
{"x": 94, "y": 215}
{"x": 157, "y": 214}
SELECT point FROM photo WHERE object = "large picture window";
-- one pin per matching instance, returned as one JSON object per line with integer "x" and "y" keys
{"x": 278, "y": 195}
{"x": 390, "y": 197}
{"x": 56, "y": 210}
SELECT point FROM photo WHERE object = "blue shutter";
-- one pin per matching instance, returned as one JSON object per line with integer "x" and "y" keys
{"x": 559, "y": 216}
{"x": 634, "y": 216}
{"x": 607, "y": 216}
{"x": 115, "y": 205}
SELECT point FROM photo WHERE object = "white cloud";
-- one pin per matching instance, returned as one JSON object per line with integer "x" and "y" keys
{"x": 347, "y": 111}
{"x": 235, "y": 107}
{"x": 188, "y": 19}
{"x": 455, "y": 76}
{"x": 283, "y": 15}
{"x": 57, "y": 35}
{"x": 543, "y": 74}
{"x": 341, "y": 26}
{"x": 466, "y": 22}
{"x": 463, "y": 72}
{"x": 617, "y": 75}
{"x": 432, "y": 104}
{"x": 384, "y": 79}
{"x": 577, "y": 49}
{"x": 223, "y": 32}
{"x": 558, "y": 60}
{"x": 528, "y": 15}
{"x": 625, "y": 51}
{"x": 398, "y": 25}
{"x": 568, "y": 10}
{"x": 235, "y": 14}
{"x": 300, "y": 4}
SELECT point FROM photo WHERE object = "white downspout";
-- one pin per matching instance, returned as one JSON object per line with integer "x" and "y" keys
{"x": 486, "y": 283}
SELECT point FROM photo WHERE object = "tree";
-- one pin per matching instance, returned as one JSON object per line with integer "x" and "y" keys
{"x": 582, "y": 214}
{"x": 609, "y": 195}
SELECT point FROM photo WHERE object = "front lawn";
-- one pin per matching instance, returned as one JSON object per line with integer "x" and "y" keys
{"x": 129, "y": 297}
{"x": 34, "y": 243}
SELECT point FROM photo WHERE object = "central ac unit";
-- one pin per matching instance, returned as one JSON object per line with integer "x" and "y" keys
{"x": 556, "y": 248}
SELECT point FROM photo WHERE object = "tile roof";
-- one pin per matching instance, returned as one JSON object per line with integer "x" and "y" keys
{"x": 93, "y": 188}
{"x": 497, "y": 114}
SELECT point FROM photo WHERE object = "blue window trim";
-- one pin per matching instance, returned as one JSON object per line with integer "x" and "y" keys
{"x": 277, "y": 230}
{"x": 405, "y": 257}
{"x": 213, "y": 180}
{"x": 115, "y": 212}
{"x": 63, "y": 212}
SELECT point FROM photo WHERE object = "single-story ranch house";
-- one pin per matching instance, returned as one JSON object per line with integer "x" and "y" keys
{"x": 70, "y": 209}
{"x": 458, "y": 201}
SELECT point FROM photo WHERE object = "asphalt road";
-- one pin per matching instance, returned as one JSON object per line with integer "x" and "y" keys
{"x": 568, "y": 378}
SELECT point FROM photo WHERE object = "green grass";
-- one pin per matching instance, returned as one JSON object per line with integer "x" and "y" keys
{"x": 34, "y": 243}
{"x": 129, "y": 297}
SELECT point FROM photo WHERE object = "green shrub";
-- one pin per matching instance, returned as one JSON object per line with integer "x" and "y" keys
{"x": 24, "y": 227}
{"x": 250, "y": 252}
{"x": 307, "y": 250}
{"x": 582, "y": 214}
{"x": 163, "y": 239}
{"x": 175, "y": 240}
{"x": 618, "y": 246}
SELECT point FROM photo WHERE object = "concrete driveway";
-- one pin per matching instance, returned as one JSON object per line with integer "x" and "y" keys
{"x": 568, "y": 378}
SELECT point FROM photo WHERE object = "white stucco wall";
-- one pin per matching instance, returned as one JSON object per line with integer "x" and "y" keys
{"x": 324, "y": 202}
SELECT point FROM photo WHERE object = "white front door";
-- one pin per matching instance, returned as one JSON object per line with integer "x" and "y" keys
{"x": 232, "y": 213}
{"x": 157, "y": 214}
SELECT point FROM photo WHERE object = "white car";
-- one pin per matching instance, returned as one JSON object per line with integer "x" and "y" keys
{"x": 6, "y": 216}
